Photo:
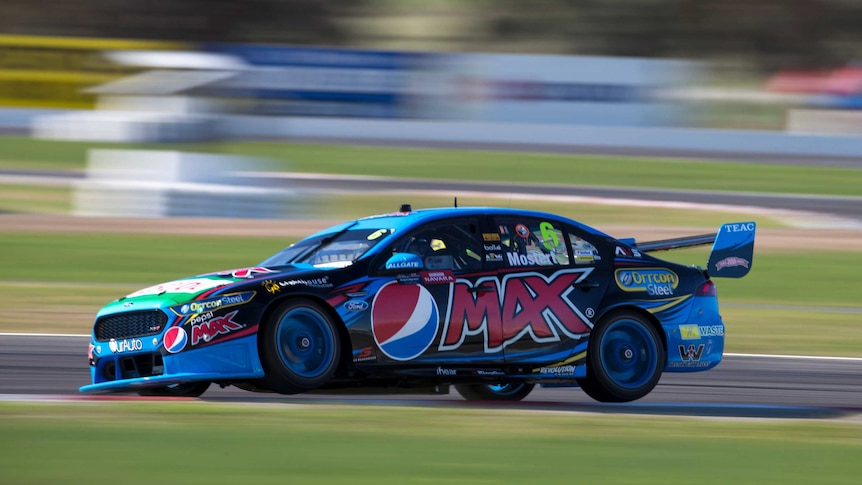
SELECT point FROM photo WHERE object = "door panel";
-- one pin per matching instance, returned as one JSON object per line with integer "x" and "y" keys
{"x": 448, "y": 311}
{"x": 549, "y": 290}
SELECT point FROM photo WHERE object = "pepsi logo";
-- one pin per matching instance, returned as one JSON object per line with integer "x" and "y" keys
{"x": 175, "y": 339}
{"x": 404, "y": 320}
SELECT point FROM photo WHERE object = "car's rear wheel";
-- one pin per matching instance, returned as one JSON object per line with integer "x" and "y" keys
{"x": 191, "y": 389}
{"x": 300, "y": 347}
{"x": 510, "y": 391}
{"x": 624, "y": 360}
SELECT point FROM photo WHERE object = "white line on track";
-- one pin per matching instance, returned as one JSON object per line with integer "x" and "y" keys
{"x": 726, "y": 354}
{"x": 802, "y": 357}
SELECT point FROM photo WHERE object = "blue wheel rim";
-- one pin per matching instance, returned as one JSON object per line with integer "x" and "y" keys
{"x": 305, "y": 343}
{"x": 505, "y": 389}
{"x": 628, "y": 353}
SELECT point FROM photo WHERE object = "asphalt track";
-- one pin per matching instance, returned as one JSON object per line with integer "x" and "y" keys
{"x": 742, "y": 386}
{"x": 45, "y": 367}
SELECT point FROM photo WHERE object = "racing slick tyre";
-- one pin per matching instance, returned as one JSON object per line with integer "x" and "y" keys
{"x": 191, "y": 389}
{"x": 299, "y": 347}
{"x": 624, "y": 360}
{"x": 511, "y": 391}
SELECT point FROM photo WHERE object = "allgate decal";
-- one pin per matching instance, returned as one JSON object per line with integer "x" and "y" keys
{"x": 527, "y": 303}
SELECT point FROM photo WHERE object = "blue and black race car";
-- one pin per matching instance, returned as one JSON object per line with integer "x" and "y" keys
{"x": 490, "y": 301}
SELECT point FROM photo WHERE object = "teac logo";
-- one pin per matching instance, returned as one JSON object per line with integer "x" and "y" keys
{"x": 740, "y": 227}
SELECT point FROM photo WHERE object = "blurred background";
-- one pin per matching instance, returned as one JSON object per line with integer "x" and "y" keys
{"x": 652, "y": 77}
{"x": 733, "y": 64}
{"x": 149, "y": 140}
{"x": 174, "y": 121}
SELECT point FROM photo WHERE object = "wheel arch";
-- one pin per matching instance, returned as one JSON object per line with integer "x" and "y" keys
{"x": 346, "y": 357}
{"x": 656, "y": 324}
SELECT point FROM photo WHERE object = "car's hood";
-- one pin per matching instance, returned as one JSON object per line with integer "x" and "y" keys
{"x": 193, "y": 288}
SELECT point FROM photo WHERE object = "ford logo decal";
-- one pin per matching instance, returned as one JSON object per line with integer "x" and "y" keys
{"x": 356, "y": 305}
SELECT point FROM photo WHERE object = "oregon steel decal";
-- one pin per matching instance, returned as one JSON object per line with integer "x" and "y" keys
{"x": 526, "y": 304}
{"x": 214, "y": 327}
{"x": 175, "y": 339}
{"x": 654, "y": 281}
{"x": 210, "y": 304}
{"x": 404, "y": 320}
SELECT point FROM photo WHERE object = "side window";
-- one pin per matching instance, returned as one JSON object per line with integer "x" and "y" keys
{"x": 532, "y": 242}
{"x": 583, "y": 251}
{"x": 453, "y": 246}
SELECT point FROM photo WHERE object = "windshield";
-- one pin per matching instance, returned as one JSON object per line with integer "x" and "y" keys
{"x": 338, "y": 249}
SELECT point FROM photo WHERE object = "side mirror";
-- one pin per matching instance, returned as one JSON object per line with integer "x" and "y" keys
{"x": 403, "y": 263}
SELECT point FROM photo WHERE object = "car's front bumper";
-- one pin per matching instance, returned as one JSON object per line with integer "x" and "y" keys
{"x": 149, "y": 366}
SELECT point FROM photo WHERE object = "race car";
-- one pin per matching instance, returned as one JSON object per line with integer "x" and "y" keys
{"x": 489, "y": 301}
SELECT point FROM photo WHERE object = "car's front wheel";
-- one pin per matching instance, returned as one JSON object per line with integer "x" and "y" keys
{"x": 191, "y": 389}
{"x": 625, "y": 358}
{"x": 510, "y": 391}
{"x": 300, "y": 347}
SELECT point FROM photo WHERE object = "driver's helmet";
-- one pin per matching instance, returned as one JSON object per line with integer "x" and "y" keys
{"x": 420, "y": 246}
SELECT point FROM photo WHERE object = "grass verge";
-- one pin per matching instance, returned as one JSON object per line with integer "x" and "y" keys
{"x": 207, "y": 443}
{"x": 478, "y": 165}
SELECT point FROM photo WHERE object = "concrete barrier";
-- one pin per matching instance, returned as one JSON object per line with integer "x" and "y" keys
{"x": 618, "y": 137}
{"x": 150, "y": 183}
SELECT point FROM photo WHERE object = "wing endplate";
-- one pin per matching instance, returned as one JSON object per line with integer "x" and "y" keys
{"x": 733, "y": 250}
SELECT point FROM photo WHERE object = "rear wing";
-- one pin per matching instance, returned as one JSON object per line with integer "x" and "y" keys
{"x": 732, "y": 248}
